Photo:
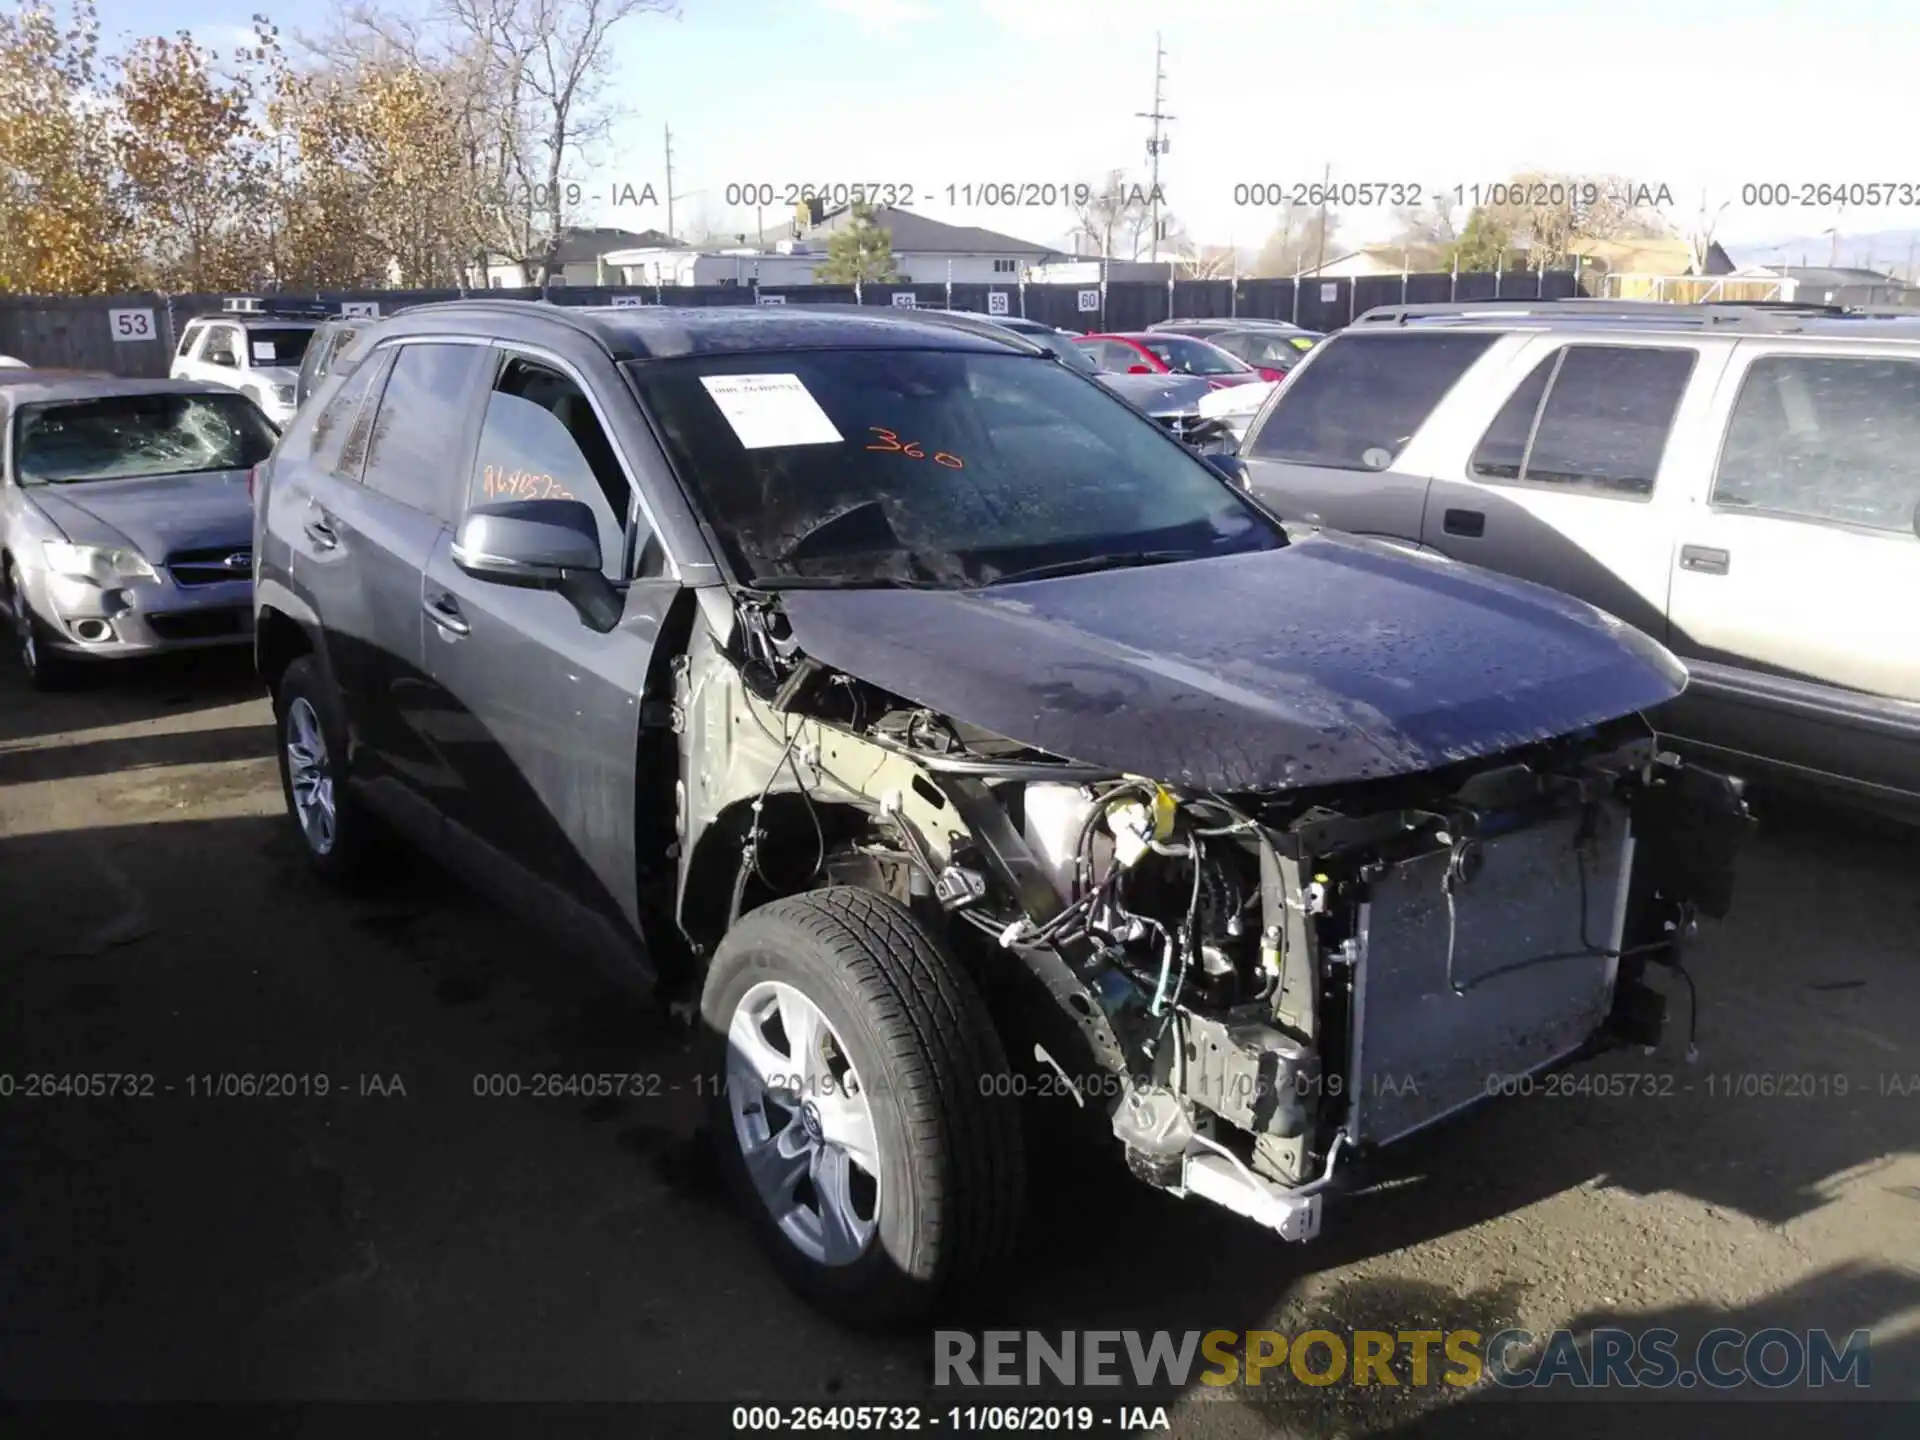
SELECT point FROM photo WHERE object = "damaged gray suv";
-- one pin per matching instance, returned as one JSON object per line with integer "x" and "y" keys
{"x": 943, "y": 734}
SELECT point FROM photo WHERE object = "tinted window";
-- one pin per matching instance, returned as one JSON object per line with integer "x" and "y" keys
{"x": 128, "y": 435}
{"x": 542, "y": 441}
{"x": 187, "y": 338}
{"x": 332, "y": 425}
{"x": 1504, "y": 447}
{"x": 1604, "y": 424}
{"x": 1827, "y": 438}
{"x": 934, "y": 467}
{"x": 421, "y": 415}
{"x": 277, "y": 346}
{"x": 1358, "y": 404}
{"x": 220, "y": 348}
{"x": 1186, "y": 356}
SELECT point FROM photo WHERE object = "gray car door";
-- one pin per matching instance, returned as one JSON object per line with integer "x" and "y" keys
{"x": 539, "y": 713}
{"x": 1327, "y": 452}
{"x": 371, "y": 535}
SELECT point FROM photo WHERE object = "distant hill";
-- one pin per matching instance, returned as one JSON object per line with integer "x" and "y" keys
{"x": 1888, "y": 251}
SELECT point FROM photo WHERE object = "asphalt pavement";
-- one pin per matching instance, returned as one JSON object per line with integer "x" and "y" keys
{"x": 379, "y": 1220}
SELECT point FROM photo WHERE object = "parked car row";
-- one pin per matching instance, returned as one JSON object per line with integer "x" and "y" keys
{"x": 936, "y": 726}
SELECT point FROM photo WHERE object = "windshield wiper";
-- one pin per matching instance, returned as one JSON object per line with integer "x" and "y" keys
{"x": 844, "y": 582}
{"x": 1117, "y": 560}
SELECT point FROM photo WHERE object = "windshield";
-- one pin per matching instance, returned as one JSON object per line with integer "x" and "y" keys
{"x": 112, "y": 438}
{"x": 943, "y": 467}
{"x": 1190, "y": 357}
{"x": 271, "y": 346}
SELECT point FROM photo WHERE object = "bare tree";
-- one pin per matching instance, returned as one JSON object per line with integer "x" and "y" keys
{"x": 1117, "y": 206}
{"x": 1302, "y": 234}
{"x": 1209, "y": 262}
{"x": 1548, "y": 214}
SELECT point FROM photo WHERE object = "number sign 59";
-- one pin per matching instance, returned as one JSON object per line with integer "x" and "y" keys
{"x": 130, "y": 324}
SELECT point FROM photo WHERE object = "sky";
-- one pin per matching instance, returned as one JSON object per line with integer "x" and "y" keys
{"x": 1698, "y": 100}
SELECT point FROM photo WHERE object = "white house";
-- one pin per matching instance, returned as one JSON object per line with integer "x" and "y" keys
{"x": 577, "y": 259}
{"x": 925, "y": 252}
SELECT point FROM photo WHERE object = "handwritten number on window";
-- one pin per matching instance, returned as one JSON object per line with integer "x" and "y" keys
{"x": 522, "y": 485}
{"x": 891, "y": 443}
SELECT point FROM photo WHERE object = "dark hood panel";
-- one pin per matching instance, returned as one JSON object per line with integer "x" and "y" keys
{"x": 1329, "y": 661}
{"x": 157, "y": 516}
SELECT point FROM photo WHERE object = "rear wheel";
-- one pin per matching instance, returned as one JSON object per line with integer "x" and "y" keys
{"x": 860, "y": 1107}
{"x": 46, "y": 668}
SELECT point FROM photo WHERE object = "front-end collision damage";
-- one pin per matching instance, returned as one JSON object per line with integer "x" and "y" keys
{"x": 1249, "y": 984}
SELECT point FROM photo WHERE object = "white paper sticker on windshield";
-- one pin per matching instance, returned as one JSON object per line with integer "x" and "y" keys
{"x": 263, "y": 349}
{"x": 771, "y": 410}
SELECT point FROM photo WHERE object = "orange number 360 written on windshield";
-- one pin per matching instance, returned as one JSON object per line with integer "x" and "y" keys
{"x": 892, "y": 444}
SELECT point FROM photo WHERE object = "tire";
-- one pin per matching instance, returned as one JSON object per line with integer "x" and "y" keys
{"x": 304, "y": 706}
{"x": 946, "y": 1139}
{"x": 46, "y": 670}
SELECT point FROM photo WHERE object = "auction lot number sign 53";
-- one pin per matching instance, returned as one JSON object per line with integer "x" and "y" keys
{"x": 128, "y": 325}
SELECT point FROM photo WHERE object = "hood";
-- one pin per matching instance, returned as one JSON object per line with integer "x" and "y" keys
{"x": 1236, "y": 400}
{"x": 1158, "y": 394}
{"x": 1332, "y": 660}
{"x": 156, "y": 516}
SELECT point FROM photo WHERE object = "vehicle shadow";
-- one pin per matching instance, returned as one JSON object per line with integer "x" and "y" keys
{"x": 126, "y": 692}
{"x": 133, "y": 752}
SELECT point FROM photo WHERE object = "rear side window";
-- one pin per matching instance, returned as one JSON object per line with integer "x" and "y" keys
{"x": 422, "y": 413}
{"x": 340, "y": 431}
{"x": 1825, "y": 438}
{"x": 1593, "y": 418}
{"x": 1360, "y": 404}
{"x": 188, "y": 338}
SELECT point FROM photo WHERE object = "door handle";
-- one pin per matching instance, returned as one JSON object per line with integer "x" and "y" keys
{"x": 321, "y": 533}
{"x": 444, "y": 611}
{"x": 1465, "y": 522}
{"x": 1704, "y": 560}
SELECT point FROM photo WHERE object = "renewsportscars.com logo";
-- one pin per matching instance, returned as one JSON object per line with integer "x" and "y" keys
{"x": 1606, "y": 1358}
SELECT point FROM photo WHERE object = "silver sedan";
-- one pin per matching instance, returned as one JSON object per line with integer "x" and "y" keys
{"x": 126, "y": 526}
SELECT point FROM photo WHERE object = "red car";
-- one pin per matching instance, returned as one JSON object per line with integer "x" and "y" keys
{"x": 1154, "y": 352}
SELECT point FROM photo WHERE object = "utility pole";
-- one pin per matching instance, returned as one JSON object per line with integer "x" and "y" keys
{"x": 1156, "y": 143}
{"x": 1326, "y": 182}
{"x": 669, "y": 130}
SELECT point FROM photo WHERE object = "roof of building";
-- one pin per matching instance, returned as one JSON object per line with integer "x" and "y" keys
{"x": 659, "y": 332}
{"x": 1835, "y": 276}
{"x": 916, "y": 234}
{"x": 583, "y": 244}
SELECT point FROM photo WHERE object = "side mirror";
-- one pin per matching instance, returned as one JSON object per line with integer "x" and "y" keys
{"x": 541, "y": 545}
{"x": 533, "y": 544}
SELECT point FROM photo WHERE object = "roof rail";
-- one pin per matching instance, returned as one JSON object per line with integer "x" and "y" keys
{"x": 1764, "y": 315}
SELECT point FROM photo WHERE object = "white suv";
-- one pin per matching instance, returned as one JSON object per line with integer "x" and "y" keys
{"x": 1742, "y": 484}
{"x": 256, "y": 352}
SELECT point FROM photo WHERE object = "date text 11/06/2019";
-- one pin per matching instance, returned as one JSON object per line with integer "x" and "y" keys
{"x": 959, "y": 1419}
{"x": 983, "y": 194}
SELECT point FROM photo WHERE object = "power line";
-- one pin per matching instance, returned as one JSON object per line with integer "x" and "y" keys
{"x": 1156, "y": 144}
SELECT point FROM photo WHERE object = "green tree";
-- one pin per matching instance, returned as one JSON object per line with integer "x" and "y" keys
{"x": 859, "y": 252}
{"x": 1481, "y": 245}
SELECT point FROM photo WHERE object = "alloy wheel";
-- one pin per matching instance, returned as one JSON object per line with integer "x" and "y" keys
{"x": 804, "y": 1123}
{"x": 310, "y": 775}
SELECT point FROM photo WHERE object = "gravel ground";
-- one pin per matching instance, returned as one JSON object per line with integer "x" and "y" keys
{"x": 403, "y": 1238}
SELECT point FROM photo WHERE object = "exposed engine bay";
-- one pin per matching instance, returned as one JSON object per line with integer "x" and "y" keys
{"x": 1250, "y": 985}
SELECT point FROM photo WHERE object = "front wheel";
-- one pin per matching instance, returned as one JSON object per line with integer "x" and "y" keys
{"x": 46, "y": 668}
{"x": 339, "y": 837}
{"x": 855, "y": 1106}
